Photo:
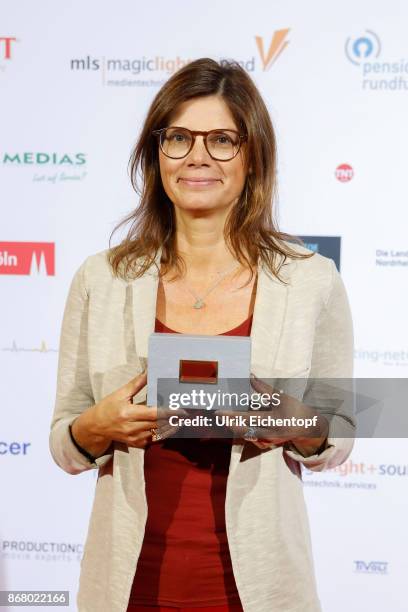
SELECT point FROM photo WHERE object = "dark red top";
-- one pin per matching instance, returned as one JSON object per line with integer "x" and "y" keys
{"x": 185, "y": 558}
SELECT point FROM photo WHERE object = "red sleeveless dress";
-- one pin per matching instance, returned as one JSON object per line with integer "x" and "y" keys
{"x": 185, "y": 562}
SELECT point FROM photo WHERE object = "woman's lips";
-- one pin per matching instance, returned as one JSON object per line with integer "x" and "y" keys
{"x": 198, "y": 182}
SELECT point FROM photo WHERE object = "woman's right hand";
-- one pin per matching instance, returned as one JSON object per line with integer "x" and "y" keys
{"x": 115, "y": 417}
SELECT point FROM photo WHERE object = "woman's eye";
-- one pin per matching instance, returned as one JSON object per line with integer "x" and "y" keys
{"x": 222, "y": 139}
{"x": 178, "y": 137}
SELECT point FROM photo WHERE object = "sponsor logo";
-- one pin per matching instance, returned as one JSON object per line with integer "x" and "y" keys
{"x": 6, "y": 51}
{"x": 277, "y": 45}
{"x": 391, "y": 258}
{"x": 41, "y": 159}
{"x": 37, "y": 550}
{"x": 328, "y": 246}
{"x": 344, "y": 173}
{"x": 363, "y": 48}
{"x": 350, "y": 468}
{"x": 364, "y": 51}
{"x": 27, "y": 258}
{"x": 153, "y": 71}
{"x": 371, "y": 567}
{"x": 46, "y": 161}
{"x": 6, "y": 47}
{"x": 388, "y": 357}
{"x": 354, "y": 475}
{"x": 15, "y": 348}
{"x": 14, "y": 448}
{"x": 359, "y": 476}
{"x": 116, "y": 71}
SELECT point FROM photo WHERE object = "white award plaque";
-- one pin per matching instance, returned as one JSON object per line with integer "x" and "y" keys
{"x": 181, "y": 363}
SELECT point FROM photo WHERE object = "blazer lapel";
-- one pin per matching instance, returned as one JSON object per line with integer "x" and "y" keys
{"x": 144, "y": 292}
{"x": 267, "y": 325}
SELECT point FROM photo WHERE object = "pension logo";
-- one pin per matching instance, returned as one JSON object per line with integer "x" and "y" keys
{"x": 371, "y": 567}
{"x": 363, "y": 48}
{"x": 377, "y": 73}
{"x": 44, "y": 159}
{"x": 276, "y": 47}
{"x": 344, "y": 173}
{"x": 27, "y": 258}
{"x": 6, "y": 47}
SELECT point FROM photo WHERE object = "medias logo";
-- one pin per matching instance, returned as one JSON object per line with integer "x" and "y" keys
{"x": 49, "y": 167}
{"x": 362, "y": 48}
{"x": 344, "y": 173}
{"x": 364, "y": 51}
{"x": 277, "y": 45}
{"x": 28, "y": 158}
{"x": 6, "y": 47}
{"x": 371, "y": 567}
{"x": 27, "y": 258}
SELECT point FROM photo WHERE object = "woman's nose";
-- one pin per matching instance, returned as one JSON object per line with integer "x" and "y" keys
{"x": 198, "y": 153}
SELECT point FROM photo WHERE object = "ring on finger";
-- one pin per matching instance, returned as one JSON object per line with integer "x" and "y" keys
{"x": 155, "y": 434}
{"x": 250, "y": 434}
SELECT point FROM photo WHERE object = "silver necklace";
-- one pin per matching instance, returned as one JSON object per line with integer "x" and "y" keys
{"x": 199, "y": 300}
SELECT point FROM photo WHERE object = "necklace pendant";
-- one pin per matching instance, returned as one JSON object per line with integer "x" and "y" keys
{"x": 199, "y": 304}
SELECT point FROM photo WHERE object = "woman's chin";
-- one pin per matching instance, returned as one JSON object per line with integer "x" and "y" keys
{"x": 200, "y": 205}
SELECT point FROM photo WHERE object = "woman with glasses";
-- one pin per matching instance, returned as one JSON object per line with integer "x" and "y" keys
{"x": 215, "y": 524}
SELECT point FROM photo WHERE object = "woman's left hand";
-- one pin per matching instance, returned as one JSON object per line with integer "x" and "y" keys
{"x": 291, "y": 407}
{"x": 307, "y": 440}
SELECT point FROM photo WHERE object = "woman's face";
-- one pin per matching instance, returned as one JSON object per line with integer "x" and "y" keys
{"x": 198, "y": 182}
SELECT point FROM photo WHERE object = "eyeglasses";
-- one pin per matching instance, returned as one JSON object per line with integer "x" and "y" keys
{"x": 221, "y": 145}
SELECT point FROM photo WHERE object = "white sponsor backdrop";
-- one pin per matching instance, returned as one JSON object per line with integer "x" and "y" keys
{"x": 76, "y": 81}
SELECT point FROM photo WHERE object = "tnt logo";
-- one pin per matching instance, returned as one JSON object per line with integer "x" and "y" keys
{"x": 371, "y": 567}
{"x": 6, "y": 47}
{"x": 27, "y": 258}
{"x": 344, "y": 173}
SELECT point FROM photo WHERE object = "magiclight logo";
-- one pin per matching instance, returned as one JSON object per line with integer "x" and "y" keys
{"x": 27, "y": 258}
{"x": 276, "y": 47}
{"x": 116, "y": 71}
{"x": 364, "y": 51}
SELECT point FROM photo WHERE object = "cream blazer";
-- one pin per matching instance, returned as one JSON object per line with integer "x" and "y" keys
{"x": 299, "y": 329}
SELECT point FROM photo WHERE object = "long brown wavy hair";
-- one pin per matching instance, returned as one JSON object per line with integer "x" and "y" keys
{"x": 250, "y": 230}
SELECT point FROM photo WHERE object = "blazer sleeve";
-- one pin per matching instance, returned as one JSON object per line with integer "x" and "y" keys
{"x": 74, "y": 391}
{"x": 332, "y": 358}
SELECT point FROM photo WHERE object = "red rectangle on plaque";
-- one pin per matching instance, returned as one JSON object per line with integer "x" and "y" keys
{"x": 198, "y": 371}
